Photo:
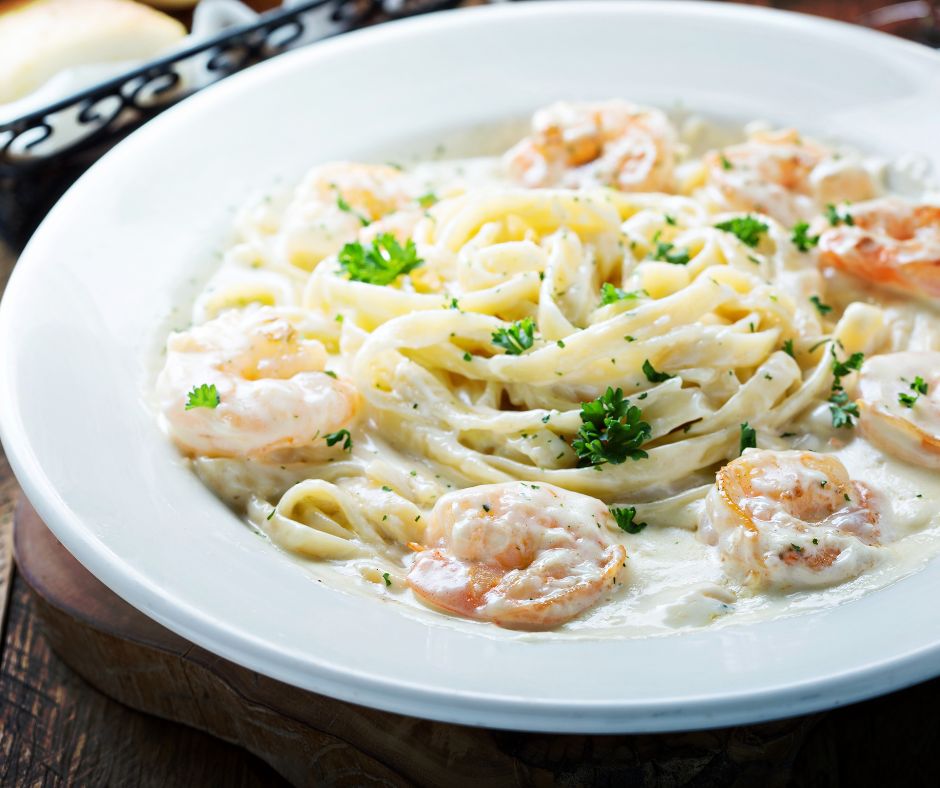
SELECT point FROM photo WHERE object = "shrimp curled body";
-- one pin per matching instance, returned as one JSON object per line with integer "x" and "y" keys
{"x": 784, "y": 175}
{"x": 790, "y": 520}
{"x": 273, "y": 392}
{"x": 890, "y": 242}
{"x": 899, "y": 413}
{"x": 610, "y": 143}
{"x": 341, "y": 202}
{"x": 519, "y": 555}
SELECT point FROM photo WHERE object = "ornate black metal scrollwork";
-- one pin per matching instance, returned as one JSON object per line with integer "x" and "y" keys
{"x": 44, "y": 150}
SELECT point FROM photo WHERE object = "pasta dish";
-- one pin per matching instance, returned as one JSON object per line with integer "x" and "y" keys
{"x": 607, "y": 382}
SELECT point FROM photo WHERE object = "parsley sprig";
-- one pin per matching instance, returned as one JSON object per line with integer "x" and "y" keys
{"x": 204, "y": 396}
{"x": 611, "y": 430}
{"x": 801, "y": 238}
{"x": 611, "y": 294}
{"x": 843, "y": 410}
{"x": 747, "y": 229}
{"x": 625, "y": 516}
{"x": 517, "y": 338}
{"x": 380, "y": 264}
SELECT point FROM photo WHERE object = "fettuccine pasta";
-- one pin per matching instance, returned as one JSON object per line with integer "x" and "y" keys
{"x": 502, "y": 388}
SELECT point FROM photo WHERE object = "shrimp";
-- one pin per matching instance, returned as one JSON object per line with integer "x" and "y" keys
{"x": 784, "y": 176}
{"x": 791, "y": 519}
{"x": 525, "y": 556}
{"x": 272, "y": 389}
{"x": 611, "y": 143}
{"x": 890, "y": 242}
{"x": 899, "y": 407}
{"x": 339, "y": 203}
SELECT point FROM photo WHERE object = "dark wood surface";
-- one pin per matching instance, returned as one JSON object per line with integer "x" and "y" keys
{"x": 55, "y": 729}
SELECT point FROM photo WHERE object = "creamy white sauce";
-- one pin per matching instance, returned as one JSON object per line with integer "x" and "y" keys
{"x": 673, "y": 580}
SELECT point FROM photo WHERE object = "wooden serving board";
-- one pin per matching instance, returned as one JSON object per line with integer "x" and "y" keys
{"x": 314, "y": 740}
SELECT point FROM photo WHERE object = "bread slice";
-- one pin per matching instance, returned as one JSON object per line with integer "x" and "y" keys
{"x": 40, "y": 38}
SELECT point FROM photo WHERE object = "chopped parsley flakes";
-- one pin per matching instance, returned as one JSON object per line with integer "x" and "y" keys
{"x": 625, "y": 517}
{"x": 748, "y": 438}
{"x": 611, "y": 430}
{"x": 341, "y": 435}
{"x": 652, "y": 375}
{"x": 835, "y": 218}
{"x": 747, "y": 229}
{"x": 204, "y": 396}
{"x": 381, "y": 264}
{"x": 517, "y": 338}
{"x": 843, "y": 410}
{"x": 823, "y": 309}
{"x": 919, "y": 386}
{"x": 663, "y": 252}
{"x": 801, "y": 238}
{"x": 345, "y": 206}
{"x": 611, "y": 294}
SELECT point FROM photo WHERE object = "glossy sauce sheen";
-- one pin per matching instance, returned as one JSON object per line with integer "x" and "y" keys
{"x": 672, "y": 580}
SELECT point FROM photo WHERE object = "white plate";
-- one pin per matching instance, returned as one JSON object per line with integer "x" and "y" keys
{"x": 115, "y": 255}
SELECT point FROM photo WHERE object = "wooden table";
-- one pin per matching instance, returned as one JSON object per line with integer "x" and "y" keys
{"x": 57, "y": 730}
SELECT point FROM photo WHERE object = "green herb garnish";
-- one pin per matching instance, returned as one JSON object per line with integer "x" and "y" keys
{"x": 835, "y": 218}
{"x": 341, "y": 435}
{"x": 611, "y": 431}
{"x": 611, "y": 294}
{"x": 919, "y": 386}
{"x": 663, "y": 252}
{"x": 748, "y": 438}
{"x": 381, "y": 264}
{"x": 747, "y": 229}
{"x": 652, "y": 375}
{"x": 517, "y": 338}
{"x": 204, "y": 396}
{"x": 823, "y": 309}
{"x": 842, "y": 368}
{"x": 345, "y": 206}
{"x": 801, "y": 238}
{"x": 625, "y": 517}
{"x": 843, "y": 410}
